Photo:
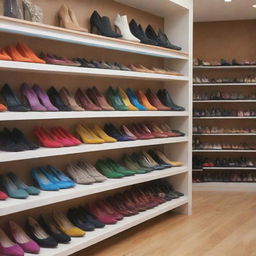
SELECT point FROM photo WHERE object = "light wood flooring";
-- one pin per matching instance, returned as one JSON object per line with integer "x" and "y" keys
{"x": 222, "y": 224}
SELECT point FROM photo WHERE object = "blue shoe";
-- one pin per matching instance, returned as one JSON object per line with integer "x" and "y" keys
{"x": 11, "y": 189}
{"x": 21, "y": 185}
{"x": 134, "y": 100}
{"x": 42, "y": 180}
{"x": 62, "y": 177}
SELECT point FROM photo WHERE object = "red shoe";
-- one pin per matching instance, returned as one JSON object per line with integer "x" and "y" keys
{"x": 68, "y": 135}
{"x": 4, "y": 55}
{"x": 109, "y": 210}
{"x": 153, "y": 100}
{"x": 62, "y": 139}
{"x": 146, "y": 131}
{"x": 3, "y": 196}
{"x": 156, "y": 131}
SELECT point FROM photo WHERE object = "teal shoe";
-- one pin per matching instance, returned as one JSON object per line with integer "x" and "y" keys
{"x": 11, "y": 189}
{"x": 115, "y": 100}
{"x": 107, "y": 170}
{"x": 119, "y": 168}
{"x": 21, "y": 185}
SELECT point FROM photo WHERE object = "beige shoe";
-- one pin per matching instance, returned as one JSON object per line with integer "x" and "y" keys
{"x": 69, "y": 100}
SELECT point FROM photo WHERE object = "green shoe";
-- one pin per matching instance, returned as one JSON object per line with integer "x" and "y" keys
{"x": 119, "y": 168}
{"x": 106, "y": 171}
{"x": 115, "y": 100}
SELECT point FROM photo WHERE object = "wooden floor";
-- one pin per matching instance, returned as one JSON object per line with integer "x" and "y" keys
{"x": 222, "y": 224}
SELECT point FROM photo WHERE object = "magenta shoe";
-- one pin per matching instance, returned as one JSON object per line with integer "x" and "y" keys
{"x": 7, "y": 247}
{"x": 43, "y": 97}
{"x": 22, "y": 239}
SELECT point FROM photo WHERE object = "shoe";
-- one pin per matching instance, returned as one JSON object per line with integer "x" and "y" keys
{"x": 4, "y": 55}
{"x": 19, "y": 138}
{"x": 55, "y": 98}
{"x": 32, "y": 99}
{"x": 99, "y": 99}
{"x": 112, "y": 131}
{"x": 69, "y": 100}
{"x": 32, "y": 12}
{"x": 130, "y": 164}
{"x": 16, "y": 55}
{"x": 88, "y": 136}
{"x": 118, "y": 168}
{"x": 3, "y": 196}
{"x": 66, "y": 226}
{"x": 42, "y": 180}
{"x": 12, "y": 190}
{"x": 107, "y": 170}
{"x": 22, "y": 239}
{"x": 9, "y": 248}
{"x": 38, "y": 234}
{"x": 26, "y": 52}
{"x": 138, "y": 32}
{"x": 134, "y": 100}
{"x": 144, "y": 101}
{"x": 107, "y": 208}
{"x": 165, "y": 41}
{"x": 158, "y": 159}
{"x": 65, "y": 134}
{"x": 12, "y": 102}
{"x": 103, "y": 26}
{"x": 68, "y": 19}
{"x": 11, "y": 9}
{"x": 166, "y": 160}
{"x": 49, "y": 226}
{"x": 115, "y": 100}
{"x": 31, "y": 190}
{"x": 85, "y": 101}
{"x": 126, "y": 100}
{"x": 101, "y": 134}
{"x": 121, "y": 23}
{"x": 125, "y": 130}
{"x": 154, "y": 101}
{"x": 166, "y": 99}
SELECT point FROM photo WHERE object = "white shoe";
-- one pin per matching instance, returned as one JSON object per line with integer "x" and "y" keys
{"x": 122, "y": 23}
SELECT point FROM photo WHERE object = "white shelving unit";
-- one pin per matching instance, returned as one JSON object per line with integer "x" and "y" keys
{"x": 225, "y": 84}
{"x": 222, "y": 151}
{"x": 224, "y": 134}
{"x": 223, "y": 101}
{"x": 225, "y": 117}
{"x": 226, "y": 67}
{"x": 178, "y": 22}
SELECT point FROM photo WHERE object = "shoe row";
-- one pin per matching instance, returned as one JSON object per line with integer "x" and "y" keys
{"x": 222, "y": 62}
{"x": 200, "y": 162}
{"x": 90, "y": 99}
{"x": 197, "y": 129}
{"x": 206, "y": 80}
{"x": 218, "y": 95}
{"x": 58, "y": 228}
{"x": 222, "y": 112}
{"x": 197, "y": 144}
{"x": 224, "y": 176}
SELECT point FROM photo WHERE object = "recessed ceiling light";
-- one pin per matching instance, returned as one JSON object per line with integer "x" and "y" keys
{"x": 254, "y": 6}
{"x": 228, "y": 0}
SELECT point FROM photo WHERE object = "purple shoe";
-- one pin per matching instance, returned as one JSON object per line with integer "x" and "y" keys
{"x": 43, "y": 97}
{"x": 32, "y": 98}
{"x": 22, "y": 239}
{"x": 7, "y": 247}
{"x": 51, "y": 60}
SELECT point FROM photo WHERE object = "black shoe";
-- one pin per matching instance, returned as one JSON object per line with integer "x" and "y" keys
{"x": 166, "y": 99}
{"x": 56, "y": 100}
{"x": 39, "y": 235}
{"x": 151, "y": 34}
{"x": 12, "y": 102}
{"x": 11, "y": 9}
{"x": 163, "y": 37}
{"x": 224, "y": 63}
{"x": 52, "y": 230}
{"x": 158, "y": 159}
{"x": 138, "y": 32}
{"x": 103, "y": 25}
{"x": 19, "y": 138}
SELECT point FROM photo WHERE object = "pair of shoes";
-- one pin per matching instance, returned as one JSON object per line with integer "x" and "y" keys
{"x": 15, "y": 141}
{"x": 56, "y": 60}
{"x": 115, "y": 100}
{"x": 84, "y": 173}
{"x": 51, "y": 179}
{"x": 18, "y": 243}
{"x": 55, "y": 138}
{"x": 93, "y": 135}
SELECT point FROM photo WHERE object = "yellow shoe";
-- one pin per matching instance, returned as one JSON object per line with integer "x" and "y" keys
{"x": 126, "y": 100}
{"x": 66, "y": 226}
{"x": 168, "y": 161}
{"x": 87, "y": 135}
{"x": 100, "y": 133}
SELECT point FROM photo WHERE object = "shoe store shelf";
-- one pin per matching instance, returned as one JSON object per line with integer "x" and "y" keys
{"x": 225, "y": 186}
{"x": 33, "y": 29}
{"x": 48, "y": 152}
{"x": 224, "y": 134}
{"x": 226, "y": 67}
{"x": 223, "y": 101}
{"x": 226, "y": 84}
{"x": 96, "y": 72}
{"x": 11, "y": 116}
{"x": 225, "y": 117}
{"x": 50, "y": 197}
{"x": 223, "y": 151}
{"x": 98, "y": 235}
{"x": 228, "y": 168}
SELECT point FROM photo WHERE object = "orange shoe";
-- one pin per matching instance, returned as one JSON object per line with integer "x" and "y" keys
{"x": 3, "y": 108}
{"x": 4, "y": 55}
{"x": 144, "y": 101}
{"x": 28, "y": 53}
{"x": 15, "y": 55}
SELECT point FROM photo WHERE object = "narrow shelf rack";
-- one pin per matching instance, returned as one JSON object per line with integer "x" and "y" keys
{"x": 224, "y": 101}
{"x": 224, "y": 134}
{"x": 225, "y": 84}
{"x": 226, "y": 67}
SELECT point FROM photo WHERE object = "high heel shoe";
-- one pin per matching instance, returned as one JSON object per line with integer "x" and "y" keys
{"x": 11, "y": 9}
{"x": 32, "y": 12}
{"x": 22, "y": 239}
{"x": 87, "y": 135}
{"x": 99, "y": 132}
{"x": 126, "y": 100}
{"x": 16, "y": 55}
{"x": 103, "y": 25}
{"x": 154, "y": 100}
{"x": 9, "y": 248}
{"x": 28, "y": 53}
{"x": 68, "y": 19}
{"x": 3, "y": 196}
{"x": 69, "y": 100}
{"x": 56, "y": 99}
{"x": 12, "y": 102}
{"x": 115, "y": 100}
{"x": 122, "y": 23}
{"x": 144, "y": 101}
{"x": 107, "y": 171}
{"x": 134, "y": 100}
{"x": 4, "y": 55}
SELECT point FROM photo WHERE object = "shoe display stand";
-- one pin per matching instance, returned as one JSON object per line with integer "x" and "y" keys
{"x": 201, "y": 50}
{"x": 175, "y": 17}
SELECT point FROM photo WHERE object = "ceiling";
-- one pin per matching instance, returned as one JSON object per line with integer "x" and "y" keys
{"x": 218, "y": 10}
